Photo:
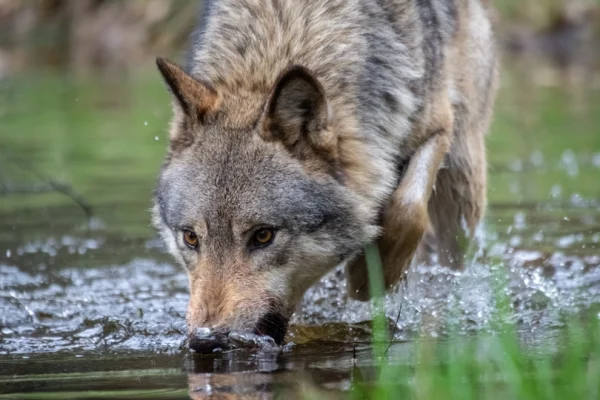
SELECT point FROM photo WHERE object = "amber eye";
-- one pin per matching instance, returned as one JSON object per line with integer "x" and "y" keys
{"x": 263, "y": 237}
{"x": 190, "y": 239}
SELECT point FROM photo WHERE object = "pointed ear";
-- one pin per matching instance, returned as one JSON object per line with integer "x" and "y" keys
{"x": 192, "y": 96}
{"x": 297, "y": 111}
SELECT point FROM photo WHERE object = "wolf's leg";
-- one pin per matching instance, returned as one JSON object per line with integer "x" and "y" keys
{"x": 405, "y": 218}
{"x": 458, "y": 201}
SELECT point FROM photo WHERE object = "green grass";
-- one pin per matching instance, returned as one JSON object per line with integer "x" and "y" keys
{"x": 565, "y": 364}
{"x": 495, "y": 366}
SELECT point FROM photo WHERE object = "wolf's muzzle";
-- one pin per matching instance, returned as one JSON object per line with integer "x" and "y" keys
{"x": 206, "y": 340}
{"x": 274, "y": 325}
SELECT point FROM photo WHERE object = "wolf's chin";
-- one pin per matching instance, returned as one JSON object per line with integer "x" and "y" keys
{"x": 273, "y": 325}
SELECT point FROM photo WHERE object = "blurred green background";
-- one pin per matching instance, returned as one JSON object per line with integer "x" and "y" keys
{"x": 81, "y": 103}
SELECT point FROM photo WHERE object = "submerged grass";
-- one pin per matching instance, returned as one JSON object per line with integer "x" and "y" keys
{"x": 499, "y": 364}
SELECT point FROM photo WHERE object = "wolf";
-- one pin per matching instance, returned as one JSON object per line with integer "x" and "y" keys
{"x": 303, "y": 131}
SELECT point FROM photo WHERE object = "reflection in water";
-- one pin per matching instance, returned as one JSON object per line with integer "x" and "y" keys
{"x": 231, "y": 386}
{"x": 209, "y": 379}
{"x": 297, "y": 374}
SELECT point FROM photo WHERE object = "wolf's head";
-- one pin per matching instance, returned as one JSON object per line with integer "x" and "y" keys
{"x": 251, "y": 199}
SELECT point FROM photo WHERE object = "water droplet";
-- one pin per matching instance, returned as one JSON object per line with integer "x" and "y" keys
{"x": 156, "y": 138}
{"x": 515, "y": 241}
{"x": 596, "y": 160}
{"x": 8, "y": 253}
{"x": 146, "y": 123}
{"x": 555, "y": 191}
{"x": 536, "y": 158}
{"x": 516, "y": 165}
{"x": 519, "y": 220}
{"x": 569, "y": 162}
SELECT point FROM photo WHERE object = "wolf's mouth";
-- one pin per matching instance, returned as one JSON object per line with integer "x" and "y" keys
{"x": 269, "y": 334}
{"x": 230, "y": 341}
{"x": 206, "y": 340}
{"x": 273, "y": 325}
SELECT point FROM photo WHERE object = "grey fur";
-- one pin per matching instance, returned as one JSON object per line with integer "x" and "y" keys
{"x": 394, "y": 74}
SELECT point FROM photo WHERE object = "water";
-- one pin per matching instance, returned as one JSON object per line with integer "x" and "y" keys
{"x": 91, "y": 305}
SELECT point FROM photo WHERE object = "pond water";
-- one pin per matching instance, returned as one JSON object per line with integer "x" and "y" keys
{"x": 91, "y": 306}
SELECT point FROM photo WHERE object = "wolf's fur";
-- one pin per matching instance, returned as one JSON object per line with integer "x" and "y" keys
{"x": 327, "y": 120}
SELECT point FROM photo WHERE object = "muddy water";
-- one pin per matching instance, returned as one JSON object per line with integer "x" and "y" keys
{"x": 92, "y": 307}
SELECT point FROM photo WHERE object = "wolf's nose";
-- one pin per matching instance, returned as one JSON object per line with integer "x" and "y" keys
{"x": 206, "y": 340}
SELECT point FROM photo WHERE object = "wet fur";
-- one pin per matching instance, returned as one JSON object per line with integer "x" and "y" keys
{"x": 297, "y": 115}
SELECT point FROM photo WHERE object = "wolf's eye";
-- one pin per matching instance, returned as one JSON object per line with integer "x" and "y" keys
{"x": 190, "y": 239}
{"x": 263, "y": 237}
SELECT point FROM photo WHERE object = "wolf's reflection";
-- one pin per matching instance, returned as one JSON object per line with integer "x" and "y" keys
{"x": 239, "y": 375}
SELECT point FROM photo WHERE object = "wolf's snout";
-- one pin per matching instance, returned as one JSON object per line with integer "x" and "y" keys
{"x": 206, "y": 340}
{"x": 269, "y": 332}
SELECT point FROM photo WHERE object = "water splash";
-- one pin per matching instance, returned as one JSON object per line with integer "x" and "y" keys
{"x": 140, "y": 305}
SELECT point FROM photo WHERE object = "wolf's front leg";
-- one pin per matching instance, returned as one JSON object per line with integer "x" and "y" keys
{"x": 405, "y": 218}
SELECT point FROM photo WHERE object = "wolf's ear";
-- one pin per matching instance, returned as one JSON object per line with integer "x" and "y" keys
{"x": 297, "y": 112}
{"x": 192, "y": 96}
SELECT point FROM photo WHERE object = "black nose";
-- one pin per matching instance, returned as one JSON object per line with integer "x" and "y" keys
{"x": 205, "y": 340}
{"x": 274, "y": 325}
